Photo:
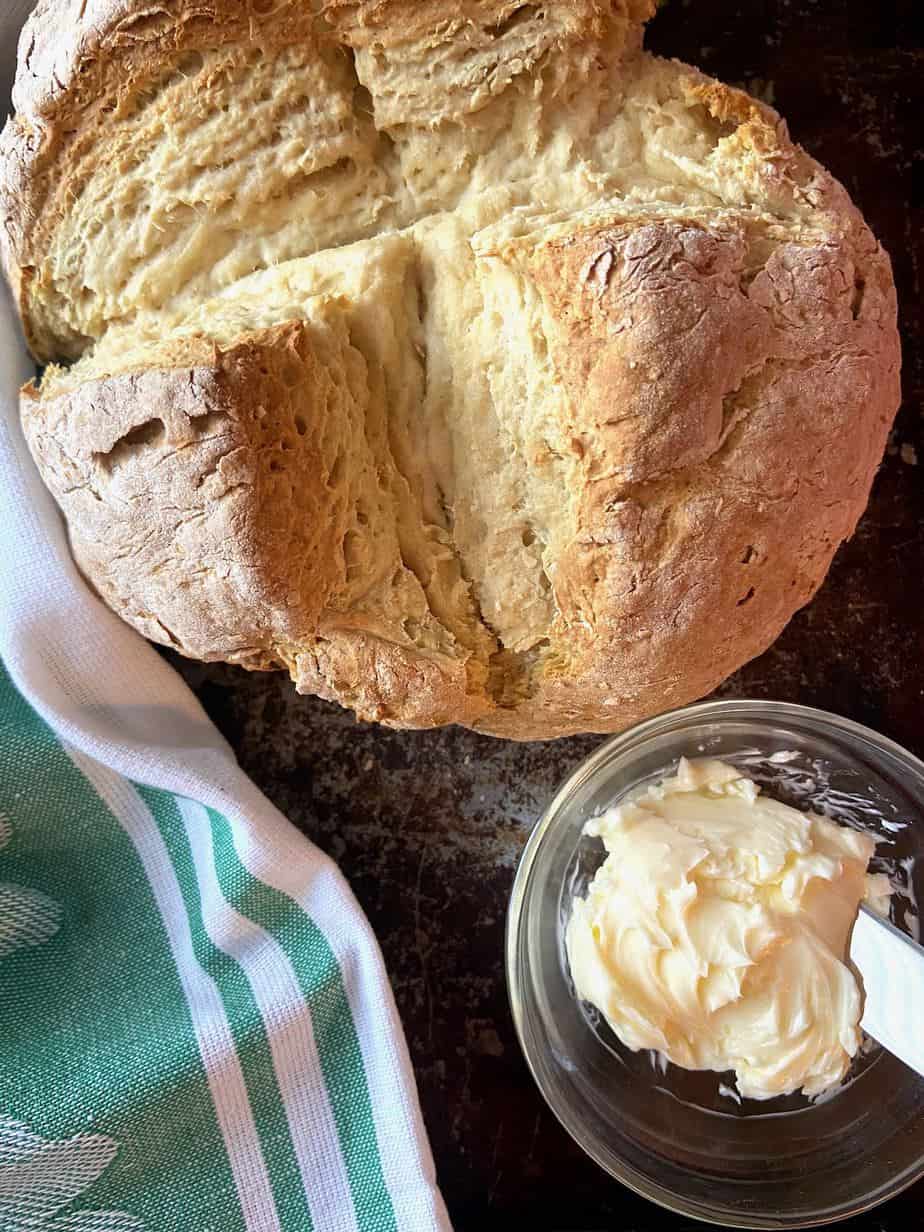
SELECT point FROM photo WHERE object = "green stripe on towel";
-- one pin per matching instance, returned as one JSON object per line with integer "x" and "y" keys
{"x": 321, "y": 982}
{"x": 247, "y": 1025}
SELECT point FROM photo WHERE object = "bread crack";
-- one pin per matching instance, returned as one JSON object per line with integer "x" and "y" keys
{"x": 230, "y": 159}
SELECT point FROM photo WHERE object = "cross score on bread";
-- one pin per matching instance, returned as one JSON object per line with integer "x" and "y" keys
{"x": 463, "y": 359}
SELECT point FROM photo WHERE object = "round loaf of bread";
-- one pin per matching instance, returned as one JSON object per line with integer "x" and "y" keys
{"x": 464, "y": 359}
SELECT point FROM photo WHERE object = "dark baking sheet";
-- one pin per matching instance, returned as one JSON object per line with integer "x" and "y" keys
{"x": 428, "y": 826}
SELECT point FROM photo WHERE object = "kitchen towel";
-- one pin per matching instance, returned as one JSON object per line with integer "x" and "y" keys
{"x": 196, "y": 1028}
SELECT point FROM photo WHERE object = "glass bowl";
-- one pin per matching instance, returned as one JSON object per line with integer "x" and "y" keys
{"x": 682, "y": 1139}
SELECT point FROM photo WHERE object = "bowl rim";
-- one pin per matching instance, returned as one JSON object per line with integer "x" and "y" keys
{"x": 721, "y": 709}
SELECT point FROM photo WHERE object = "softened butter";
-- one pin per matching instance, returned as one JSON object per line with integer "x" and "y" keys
{"x": 717, "y": 927}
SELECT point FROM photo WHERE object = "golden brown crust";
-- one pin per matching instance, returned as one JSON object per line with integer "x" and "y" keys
{"x": 228, "y": 563}
{"x": 237, "y": 551}
{"x": 761, "y": 399}
{"x": 81, "y": 62}
{"x": 530, "y": 464}
{"x": 78, "y": 62}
